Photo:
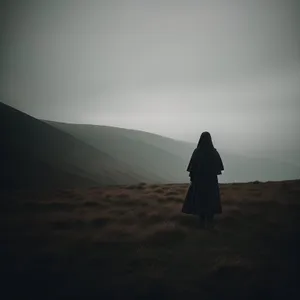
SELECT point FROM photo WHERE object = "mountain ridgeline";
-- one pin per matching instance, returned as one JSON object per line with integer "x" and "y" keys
{"x": 37, "y": 153}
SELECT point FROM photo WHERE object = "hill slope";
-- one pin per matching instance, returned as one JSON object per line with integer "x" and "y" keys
{"x": 35, "y": 153}
{"x": 147, "y": 157}
{"x": 168, "y": 158}
{"x": 50, "y": 154}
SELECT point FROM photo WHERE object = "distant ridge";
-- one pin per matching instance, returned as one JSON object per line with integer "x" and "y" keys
{"x": 169, "y": 158}
{"x": 33, "y": 153}
{"x": 39, "y": 153}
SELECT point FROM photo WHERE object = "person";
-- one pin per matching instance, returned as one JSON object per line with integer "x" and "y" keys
{"x": 203, "y": 196}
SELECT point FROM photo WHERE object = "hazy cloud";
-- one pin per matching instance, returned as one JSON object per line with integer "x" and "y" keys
{"x": 171, "y": 67}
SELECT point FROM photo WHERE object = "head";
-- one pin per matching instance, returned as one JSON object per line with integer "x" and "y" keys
{"x": 205, "y": 141}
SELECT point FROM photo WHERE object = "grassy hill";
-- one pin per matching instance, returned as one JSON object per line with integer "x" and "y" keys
{"x": 34, "y": 153}
{"x": 133, "y": 242}
{"x": 153, "y": 155}
{"x": 154, "y": 158}
{"x": 45, "y": 154}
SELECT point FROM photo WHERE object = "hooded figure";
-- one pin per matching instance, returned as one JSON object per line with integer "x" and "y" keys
{"x": 203, "y": 196}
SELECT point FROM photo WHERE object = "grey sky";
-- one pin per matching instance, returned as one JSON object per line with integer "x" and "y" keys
{"x": 171, "y": 67}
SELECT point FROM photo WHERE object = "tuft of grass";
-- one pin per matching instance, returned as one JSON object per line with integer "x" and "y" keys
{"x": 175, "y": 199}
{"x": 119, "y": 233}
{"x": 151, "y": 196}
{"x": 172, "y": 193}
{"x": 154, "y": 186}
{"x": 141, "y": 186}
{"x": 142, "y": 214}
{"x": 128, "y": 202}
{"x": 187, "y": 221}
{"x": 127, "y": 220}
{"x": 117, "y": 212}
{"x": 130, "y": 187}
{"x": 153, "y": 218}
{"x": 161, "y": 199}
{"x": 159, "y": 191}
{"x": 90, "y": 203}
{"x": 182, "y": 190}
{"x": 167, "y": 235}
{"x": 67, "y": 225}
{"x": 100, "y": 222}
{"x": 143, "y": 204}
{"x": 123, "y": 195}
{"x": 256, "y": 193}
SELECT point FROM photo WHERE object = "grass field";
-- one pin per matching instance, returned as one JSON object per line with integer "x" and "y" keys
{"x": 133, "y": 242}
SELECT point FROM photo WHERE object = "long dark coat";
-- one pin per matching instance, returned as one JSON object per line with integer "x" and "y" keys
{"x": 203, "y": 196}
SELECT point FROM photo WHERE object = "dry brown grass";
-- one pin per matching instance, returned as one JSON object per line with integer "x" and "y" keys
{"x": 168, "y": 234}
{"x": 172, "y": 193}
{"x": 175, "y": 199}
{"x": 90, "y": 203}
{"x": 100, "y": 221}
{"x": 134, "y": 240}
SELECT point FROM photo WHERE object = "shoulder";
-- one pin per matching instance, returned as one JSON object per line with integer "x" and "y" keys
{"x": 195, "y": 151}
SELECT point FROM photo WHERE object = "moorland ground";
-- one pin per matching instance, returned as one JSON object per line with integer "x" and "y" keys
{"x": 133, "y": 242}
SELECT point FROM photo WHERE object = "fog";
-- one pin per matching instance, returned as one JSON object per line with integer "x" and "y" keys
{"x": 175, "y": 68}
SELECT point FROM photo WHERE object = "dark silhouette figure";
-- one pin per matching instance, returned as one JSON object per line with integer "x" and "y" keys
{"x": 203, "y": 196}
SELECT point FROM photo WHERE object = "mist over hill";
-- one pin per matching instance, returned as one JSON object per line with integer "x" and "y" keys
{"x": 169, "y": 157}
{"x": 35, "y": 154}
{"x": 52, "y": 154}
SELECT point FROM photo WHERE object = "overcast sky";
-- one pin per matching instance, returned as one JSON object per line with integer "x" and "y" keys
{"x": 175, "y": 68}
